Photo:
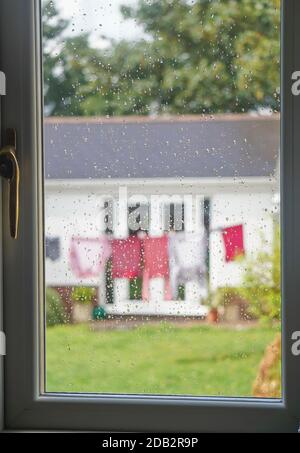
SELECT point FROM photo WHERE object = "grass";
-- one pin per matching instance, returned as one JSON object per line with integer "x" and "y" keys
{"x": 164, "y": 359}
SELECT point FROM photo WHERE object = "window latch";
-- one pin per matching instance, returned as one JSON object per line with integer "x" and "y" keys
{"x": 9, "y": 169}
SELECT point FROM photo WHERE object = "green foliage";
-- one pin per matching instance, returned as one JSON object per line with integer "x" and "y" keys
{"x": 206, "y": 56}
{"x": 261, "y": 286}
{"x": 135, "y": 289}
{"x": 109, "y": 283}
{"x": 83, "y": 294}
{"x": 223, "y": 297}
{"x": 66, "y": 64}
{"x": 55, "y": 312}
{"x": 214, "y": 56}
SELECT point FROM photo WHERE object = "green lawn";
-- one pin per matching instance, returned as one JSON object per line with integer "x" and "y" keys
{"x": 165, "y": 359}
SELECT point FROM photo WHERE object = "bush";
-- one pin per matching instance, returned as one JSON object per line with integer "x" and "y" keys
{"x": 223, "y": 297}
{"x": 261, "y": 285}
{"x": 83, "y": 294}
{"x": 55, "y": 312}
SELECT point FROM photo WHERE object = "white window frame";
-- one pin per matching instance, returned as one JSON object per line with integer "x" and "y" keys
{"x": 2, "y": 336}
{"x": 27, "y": 407}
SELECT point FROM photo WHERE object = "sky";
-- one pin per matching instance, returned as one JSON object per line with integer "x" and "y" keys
{"x": 100, "y": 17}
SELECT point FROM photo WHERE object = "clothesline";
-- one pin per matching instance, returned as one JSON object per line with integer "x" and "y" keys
{"x": 233, "y": 237}
{"x": 178, "y": 258}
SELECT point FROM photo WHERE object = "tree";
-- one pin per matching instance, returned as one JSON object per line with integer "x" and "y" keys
{"x": 65, "y": 62}
{"x": 216, "y": 55}
{"x": 198, "y": 56}
{"x": 128, "y": 82}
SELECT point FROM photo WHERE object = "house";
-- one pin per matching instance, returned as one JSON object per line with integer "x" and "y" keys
{"x": 220, "y": 171}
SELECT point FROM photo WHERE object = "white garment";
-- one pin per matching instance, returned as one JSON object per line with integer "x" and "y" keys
{"x": 187, "y": 259}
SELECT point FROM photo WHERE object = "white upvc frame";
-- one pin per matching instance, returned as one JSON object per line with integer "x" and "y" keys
{"x": 2, "y": 336}
{"x": 26, "y": 405}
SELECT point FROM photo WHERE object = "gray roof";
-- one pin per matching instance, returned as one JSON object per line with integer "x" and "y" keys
{"x": 223, "y": 146}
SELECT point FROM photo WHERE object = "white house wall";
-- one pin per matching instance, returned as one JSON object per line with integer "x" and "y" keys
{"x": 73, "y": 209}
{"x": 255, "y": 212}
{"x": 69, "y": 214}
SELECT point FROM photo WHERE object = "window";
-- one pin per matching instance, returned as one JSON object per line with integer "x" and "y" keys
{"x": 141, "y": 267}
{"x": 110, "y": 154}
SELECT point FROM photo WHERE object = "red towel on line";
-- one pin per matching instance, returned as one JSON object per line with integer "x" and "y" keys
{"x": 88, "y": 256}
{"x": 234, "y": 242}
{"x": 156, "y": 264}
{"x": 156, "y": 256}
{"x": 126, "y": 258}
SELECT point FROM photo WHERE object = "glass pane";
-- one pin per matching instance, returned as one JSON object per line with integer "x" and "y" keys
{"x": 162, "y": 239}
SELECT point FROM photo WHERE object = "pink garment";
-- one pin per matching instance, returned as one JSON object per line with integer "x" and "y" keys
{"x": 126, "y": 258}
{"x": 88, "y": 256}
{"x": 156, "y": 256}
{"x": 156, "y": 264}
{"x": 234, "y": 242}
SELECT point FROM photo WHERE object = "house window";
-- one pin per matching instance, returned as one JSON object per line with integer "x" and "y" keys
{"x": 174, "y": 217}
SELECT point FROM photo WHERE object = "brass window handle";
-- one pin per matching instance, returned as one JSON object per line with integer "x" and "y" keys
{"x": 9, "y": 169}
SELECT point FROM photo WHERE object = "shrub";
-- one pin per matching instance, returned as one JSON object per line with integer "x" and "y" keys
{"x": 83, "y": 294}
{"x": 55, "y": 312}
{"x": 225, "y": 296}
{"x": 261, "y": 284}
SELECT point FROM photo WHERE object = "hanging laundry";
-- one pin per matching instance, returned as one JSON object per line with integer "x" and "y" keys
{"x": 156, "y": 264}
{"x": 156, "y": 256}
{"x": 126, "y": 257}
{"x": 52, "y": 248}
{"x": 88, "y": 256}
{"x": 188, "y": 252}
{"x": 233, "y": 238}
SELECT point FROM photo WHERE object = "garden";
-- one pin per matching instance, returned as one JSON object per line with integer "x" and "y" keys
{"x": 165, "y": 356}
